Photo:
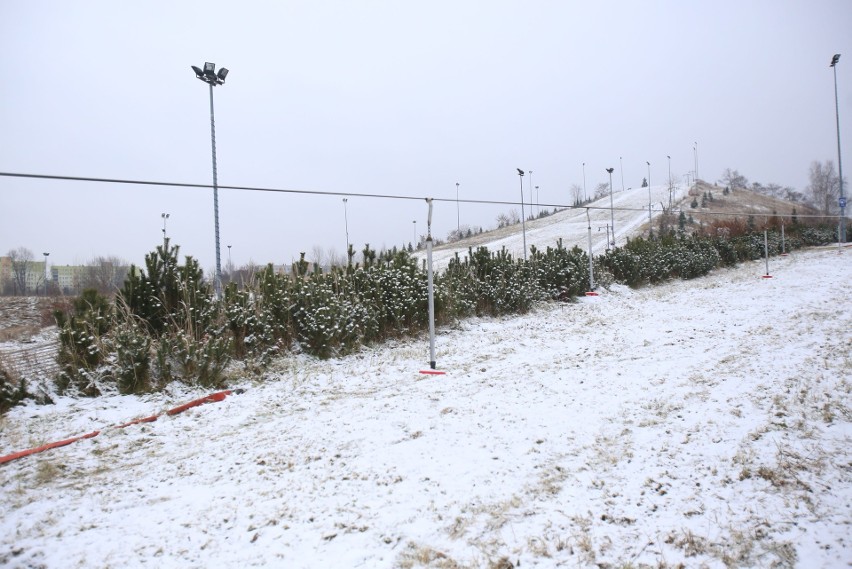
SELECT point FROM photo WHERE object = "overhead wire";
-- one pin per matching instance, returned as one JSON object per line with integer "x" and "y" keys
{"x": 55, "y": 177}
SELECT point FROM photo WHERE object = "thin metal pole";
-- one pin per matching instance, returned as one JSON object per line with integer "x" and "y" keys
{"x": 531, "y": 194}
{"x": 650, "y": 224}
{"x": 458, "y": 215}
{"x": 621, "y": 167}
{"x": 783, "y": 242}
{"x": 585, "y": 193}
{"x": 430, "y": 287}
{"x": 217, "y": 284}
{"x": 346, "y": 222}
{"x": 695, "y": 152}
{"x": 611, "y": 210}
{"x": 766, "y": 250}
{"x": 537, "y": 202}
{"x": 523, "y": 215}
{"x": 591, "y": 264}
{"x": 841, "y": 237}
{"x": 670, "y": 181}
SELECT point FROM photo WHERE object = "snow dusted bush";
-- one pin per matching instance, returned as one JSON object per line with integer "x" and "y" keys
{"x": 132, "y": 362}
{"x": 13, "y": 389}
{"x": 642, "y": 261}
{"x": 326, "y": 323}
{"x": 560, "y": 272}
{"x": 820, "y": 235}
{"x": 81, "y": 347}
{"x": 486, "y": 283}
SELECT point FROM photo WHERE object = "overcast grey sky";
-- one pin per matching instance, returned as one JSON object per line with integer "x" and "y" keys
{"x": 384, "y": 97}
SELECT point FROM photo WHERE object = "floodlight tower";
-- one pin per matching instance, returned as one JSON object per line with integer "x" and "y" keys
{"x": 212, "y": 78}
{"x": 611, "y": 211}
{"x": 523, "y": 215}
{"x": 165, "y": 216}
{"x": 346, "y": 227}
{"x": 650, "y": 226}
{"x": 458, "y": 217}
{"x": 842, "y": 233}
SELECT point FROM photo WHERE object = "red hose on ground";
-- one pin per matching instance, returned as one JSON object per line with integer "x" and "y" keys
{"x": 212, "y": 398}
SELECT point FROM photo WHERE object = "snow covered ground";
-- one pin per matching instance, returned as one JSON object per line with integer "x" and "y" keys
{"x": 704, "y": 423}
{"x": 630, "y": 211}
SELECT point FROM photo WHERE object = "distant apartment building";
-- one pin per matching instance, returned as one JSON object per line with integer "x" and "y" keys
{"x": 30, "y": 278}
{"x": 67, "y": 278}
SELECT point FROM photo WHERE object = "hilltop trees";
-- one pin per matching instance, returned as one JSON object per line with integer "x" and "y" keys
{"x": 824, "y": 187}
{"x": 733, "y": 179}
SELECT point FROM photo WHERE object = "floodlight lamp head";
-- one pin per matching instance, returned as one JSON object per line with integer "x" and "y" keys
{"x": 835, "y": 59}
{"x": 209, "y": 69}
{"x": 520, "y": 172}
{"x": 610, "y": 170}
{"x": 198, "y": 73}
{"x": 222, "y": 74}
{"x": 648, "y": 163}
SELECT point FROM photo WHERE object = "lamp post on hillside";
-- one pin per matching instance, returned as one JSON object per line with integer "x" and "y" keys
{"x": 611, "y": 211}
{"x": 531, "y": 194}
{"x": 212, "y": 78}
{"x": 165, "y": 216}
{"x": 695, "y": 153}
{"x": 416, "y": 243}
{"x": 585, "y": 194}
{"x": 45, "y": 273}
{"x": 346, "y": 227}
{"x": 523, "y": 215}
{"x": 458, "y": 216}
{"x": 537, "y": 201}
{"x": 650, "y": 227}
{"x": 842, "y": 232}
{"x": 670, "y": 182}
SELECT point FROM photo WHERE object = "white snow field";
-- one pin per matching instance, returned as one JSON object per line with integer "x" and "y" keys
{"x": 630, "y": 211}
{"x": 700, "y": 423}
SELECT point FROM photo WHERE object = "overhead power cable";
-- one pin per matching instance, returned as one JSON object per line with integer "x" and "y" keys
{"x": 366, "y": 195}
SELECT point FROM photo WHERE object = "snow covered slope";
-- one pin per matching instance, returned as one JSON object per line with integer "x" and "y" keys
{"x": 630, "y": 211}
{"x": 701, "y": 422}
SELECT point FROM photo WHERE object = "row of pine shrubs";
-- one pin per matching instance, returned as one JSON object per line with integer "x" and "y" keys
{"x": 166, "y": 325}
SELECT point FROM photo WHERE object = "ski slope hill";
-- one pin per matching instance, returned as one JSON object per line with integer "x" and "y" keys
{"x": 630, "y": 212}
{"x": 701, "y": 423}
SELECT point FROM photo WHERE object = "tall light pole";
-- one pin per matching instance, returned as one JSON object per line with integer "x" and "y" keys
{"x": 531, "y": 196}
{"x": 695, "y": 152}
{"x": 842, "y": 233}
{"x": 537, "y": 202}
{"x": 416, "y": 244}
{"x": 621, "y": 167}
{"x": 585, "y": 194}
{"x": 346, "y": 227}
{"x": 45, "y": 274}
{"x": 230, "y": 265}
{"x": 650, "y": 227}
{"x": 523, "y": 216}
{"x": 611, "y": 210}
{"x": 458, "y": 217}
{"x": 165, "y": 216}
{"x": 209, "y": 76}
{"x": 670, "y": 182}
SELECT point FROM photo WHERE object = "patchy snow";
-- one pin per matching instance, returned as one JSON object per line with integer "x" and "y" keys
{"x": 704, "y": 423}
